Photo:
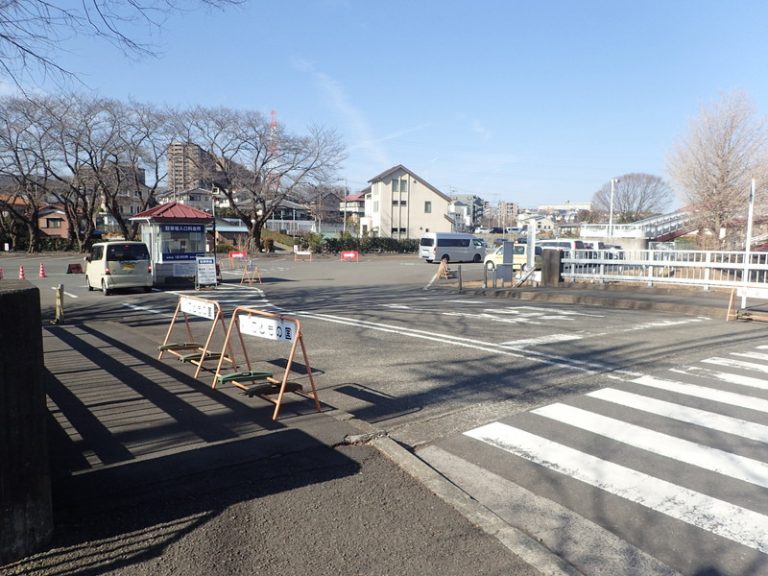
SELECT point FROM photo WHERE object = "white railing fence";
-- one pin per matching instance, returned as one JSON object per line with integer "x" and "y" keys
{"x": 703, "y": 268}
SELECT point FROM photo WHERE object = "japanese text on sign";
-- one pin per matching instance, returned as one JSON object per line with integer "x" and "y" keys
{"x": 269, "y": 328}
{"x": 198, "y": 308}
{"x": 181, "y": 228}
{"x": 206, "y": 271}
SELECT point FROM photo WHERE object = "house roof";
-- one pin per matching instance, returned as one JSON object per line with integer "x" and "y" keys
{"x": 400, "y": 167}
{"x": 174, "y": 211}
{"x": 355, "y": 197}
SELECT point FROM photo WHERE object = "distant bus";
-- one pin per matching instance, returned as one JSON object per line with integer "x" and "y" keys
{"x": 451, "y": 246}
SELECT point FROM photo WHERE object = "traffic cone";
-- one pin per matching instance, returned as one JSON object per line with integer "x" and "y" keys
{"x": 21, "y": 273}
{"x": 41, "y": 274}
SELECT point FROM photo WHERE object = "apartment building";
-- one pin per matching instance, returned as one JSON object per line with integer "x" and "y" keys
{"x": 189, "y": 167}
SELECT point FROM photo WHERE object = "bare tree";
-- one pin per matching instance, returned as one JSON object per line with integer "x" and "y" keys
{"x": 713, "y": 163}
{"x": 258, "y": 162}
{"x": 31, "y": 31}
{"x": 22, "y": 166}
{"x": 635, "y": 196}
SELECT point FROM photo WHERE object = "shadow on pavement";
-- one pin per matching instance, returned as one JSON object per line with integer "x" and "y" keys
{"x": 138, "y": 448}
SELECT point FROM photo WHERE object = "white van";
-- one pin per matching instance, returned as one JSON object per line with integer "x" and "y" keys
{"x": 451, "y": 246}
{"x": 119, "y": 264}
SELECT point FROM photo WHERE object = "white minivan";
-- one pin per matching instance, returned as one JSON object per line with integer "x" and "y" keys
{"x": 451, "y": 246}
{"x": 119, "y": 264}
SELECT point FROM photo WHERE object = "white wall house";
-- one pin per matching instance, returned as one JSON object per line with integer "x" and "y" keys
{"x": 461, "y": 214}
{"x": 400, "y": 204}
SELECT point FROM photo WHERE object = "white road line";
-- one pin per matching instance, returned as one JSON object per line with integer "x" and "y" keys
{"x": 663, "y": 324}
{"x": 731, "y": 363}
{"x": 147, "y": 309}
{"x": 549, "y": 359}
{"x": 696, "y": 416}
{"x": 739, "y": 379}
{"x": 699, "y": 455}
{"x": 66, "y": 293}
{"x": 729, "y": 521}
{"x": 548, "y": 339}
{"x": 731, "y": 398}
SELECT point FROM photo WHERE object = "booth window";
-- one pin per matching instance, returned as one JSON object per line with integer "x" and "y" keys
{"x": 182, "y": 242}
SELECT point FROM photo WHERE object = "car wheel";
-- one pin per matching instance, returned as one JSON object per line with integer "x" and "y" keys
{"x": 147, "y": 288}
{"x": 476, "y": 259}
{"x": 104, "y": 288}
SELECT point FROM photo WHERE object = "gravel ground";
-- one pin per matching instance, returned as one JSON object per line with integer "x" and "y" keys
{"x": 346, "y": 511}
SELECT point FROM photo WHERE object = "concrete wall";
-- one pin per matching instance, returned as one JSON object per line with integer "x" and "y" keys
{"x": 26, "y": 521}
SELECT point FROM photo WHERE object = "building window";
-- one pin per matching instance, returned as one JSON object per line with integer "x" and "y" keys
{"x": 395, "y": 184}
{"x": 375, "y": 205}
{"x": 427, "y": 207}
{"x": 403, "y": 202}
{"x": 53, "y": 222}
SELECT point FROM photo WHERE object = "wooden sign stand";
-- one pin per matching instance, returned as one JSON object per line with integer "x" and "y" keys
{"x": 253, "y": 322}
{"x": 443, "y": 272}
{"x": 190, "y": 350}
{"x": 250, "y": 273}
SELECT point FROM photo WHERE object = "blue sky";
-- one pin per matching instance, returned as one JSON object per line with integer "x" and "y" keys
{"x": 532, "y": 102}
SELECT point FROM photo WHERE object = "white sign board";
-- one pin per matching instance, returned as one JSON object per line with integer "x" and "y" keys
{"x": 197, "y": 307}
{"x": 761, "y": 293}
{"x": 206, "y": 271}
{"x": 266, "y": 327}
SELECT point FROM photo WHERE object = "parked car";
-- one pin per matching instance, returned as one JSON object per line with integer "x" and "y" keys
{"x": 519, "y": 257}
{"x": 121, "y": 264}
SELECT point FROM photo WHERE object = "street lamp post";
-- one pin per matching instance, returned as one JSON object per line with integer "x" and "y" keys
{"x": 610, "y": 211}
{"x": 748, "y": 244}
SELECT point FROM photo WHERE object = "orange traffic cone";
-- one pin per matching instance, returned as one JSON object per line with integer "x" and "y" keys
{"x": 21, "y": 273}
{"x": 41, "y": 274}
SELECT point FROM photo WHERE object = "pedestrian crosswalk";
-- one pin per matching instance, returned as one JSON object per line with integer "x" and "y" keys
{"x": 230, "y": 297}
{"x": 682, "y": 455}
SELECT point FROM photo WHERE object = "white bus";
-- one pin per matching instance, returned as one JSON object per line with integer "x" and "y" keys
{"x": 451, "y": 246}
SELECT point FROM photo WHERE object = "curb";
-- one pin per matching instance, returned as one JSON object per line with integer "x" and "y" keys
{"x": 517, "y": 542}
{"x": 600, "y": 298}
{"x": 526, "y": 548}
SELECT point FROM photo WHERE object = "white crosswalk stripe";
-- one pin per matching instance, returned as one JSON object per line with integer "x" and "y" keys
{"x": 693, "y": 452}
{"x": 724, "y": 519}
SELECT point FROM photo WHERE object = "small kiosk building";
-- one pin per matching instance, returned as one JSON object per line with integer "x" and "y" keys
{"x": 175, "y": 234}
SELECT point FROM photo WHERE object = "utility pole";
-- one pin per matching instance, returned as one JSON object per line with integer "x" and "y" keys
{"x": 610, "y": 212}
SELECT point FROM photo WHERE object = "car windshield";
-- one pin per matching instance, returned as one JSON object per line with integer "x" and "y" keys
{"x": 123, "y": 252}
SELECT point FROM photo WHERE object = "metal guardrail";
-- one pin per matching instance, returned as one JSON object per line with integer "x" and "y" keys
{"x": 707, "y": 269}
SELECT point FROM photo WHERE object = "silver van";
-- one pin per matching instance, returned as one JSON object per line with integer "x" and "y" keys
{"x": 451, "y": 246}
{"x": 120, "y": 264}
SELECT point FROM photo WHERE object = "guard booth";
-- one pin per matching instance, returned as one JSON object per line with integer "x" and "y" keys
{"x": 175, "y": 234}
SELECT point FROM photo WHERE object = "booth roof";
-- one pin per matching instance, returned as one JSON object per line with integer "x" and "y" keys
{"x": 173, "y": 211}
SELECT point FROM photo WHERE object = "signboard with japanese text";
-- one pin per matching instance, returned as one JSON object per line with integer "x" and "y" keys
{"x": 206, "y": 271}
{"x": 182, "y": 228}
{"x": 197, "y": 307}
{"x": 269, "y": 328}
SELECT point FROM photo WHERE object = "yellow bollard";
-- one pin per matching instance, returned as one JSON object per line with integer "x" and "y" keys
{"x": 59, "y": 304}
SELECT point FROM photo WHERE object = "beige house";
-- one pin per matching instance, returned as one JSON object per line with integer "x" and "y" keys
{"x": 400, "y": 204}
